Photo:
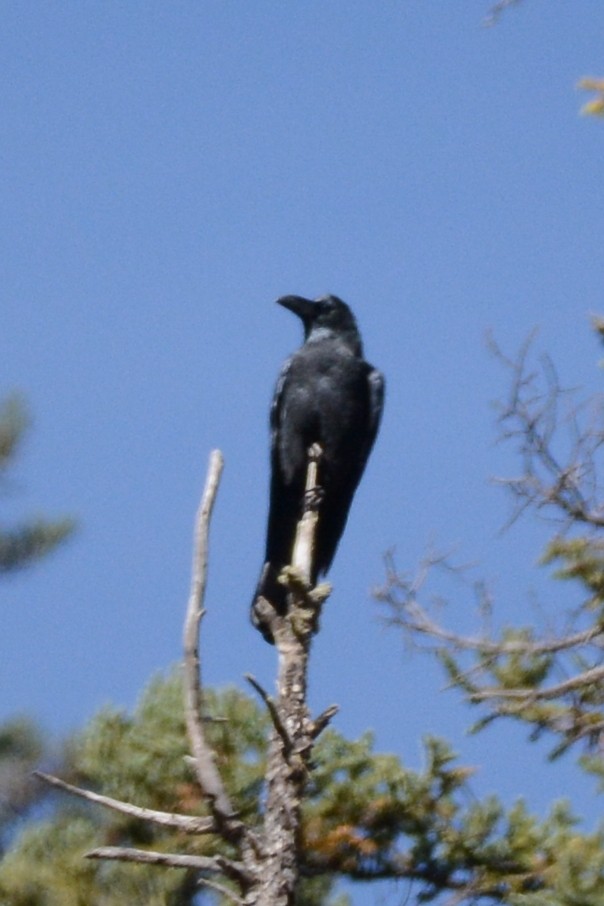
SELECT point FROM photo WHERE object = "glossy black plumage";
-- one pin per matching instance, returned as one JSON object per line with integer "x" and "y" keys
{"x": 326, "y": 393}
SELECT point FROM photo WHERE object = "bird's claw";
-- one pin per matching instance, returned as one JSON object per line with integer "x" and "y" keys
{"x": 294, "y": 580}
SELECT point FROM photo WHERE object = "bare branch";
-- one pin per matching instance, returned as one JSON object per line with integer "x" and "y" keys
{"x": 287, "y": 767}
{"x": 216, "y": 864}
{"x": 414, "y": 618}
{"x": 219, "y": 888}
{"x": 563, "y": 485}
{"x": 559, "y": 441}
{"x": 322, "y": 720}
{"x": 581, "y": 681}
{"x": 205, "y": 760}
{"x": 303, "y": 553}
{"x": 150, "y": 857}
{"x": 272, "y": 710}
{"x": 184, "y": 823}
{"x": 402, "y": 593}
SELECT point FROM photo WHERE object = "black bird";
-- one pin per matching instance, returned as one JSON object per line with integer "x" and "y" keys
{"x": 326, "y": 394}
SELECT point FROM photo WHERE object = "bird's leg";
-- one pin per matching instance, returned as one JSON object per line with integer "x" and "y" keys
{"x": 313, "y": 492}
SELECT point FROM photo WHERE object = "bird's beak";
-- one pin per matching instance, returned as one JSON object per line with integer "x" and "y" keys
{"x": 302, "y": 307}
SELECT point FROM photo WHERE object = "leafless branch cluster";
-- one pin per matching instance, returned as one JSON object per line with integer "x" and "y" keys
{"x": 262, "y": 866}
{"x": 553, "y": 680}
{"x": 559, "y": 469}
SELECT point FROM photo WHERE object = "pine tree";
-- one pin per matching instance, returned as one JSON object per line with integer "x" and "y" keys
{"x": 22, "y": 545}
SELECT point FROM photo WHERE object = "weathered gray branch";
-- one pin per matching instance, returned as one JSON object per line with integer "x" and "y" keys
{"x": 415, "y": 619}
{"x": 205, "y": 761}
{"x": 272, "y": 710}
{"x": 266, "y": 867}
{"x": 184, "y": 823}
{"x": 323, "y": 719}
{"x": 559, "y": 441}
{"x": 149, "y": 856}
{"x": 216, "y": 864}
{"x": 288, "y": 766}
{"x": 563, "y": 484}
{"x": 581, "y": 681}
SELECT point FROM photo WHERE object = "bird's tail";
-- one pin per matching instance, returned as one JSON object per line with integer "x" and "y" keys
{"x": 270, "y": 596}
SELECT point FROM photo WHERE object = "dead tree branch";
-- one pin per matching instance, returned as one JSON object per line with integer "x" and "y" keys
{"x": 553, "y": 679}
{"x": 402, "y": 596}
{"x": 582, "y": 681}
{"x": 169, "y": 860}
{"x": 288, "y": 765}
{"x": 558, "y": 478}
{"x": 223, "y": 821}
{"x": 173, "y": 860}
{"x": 272, "y": 710}
{"x": 265, "y": 866}
{"x": 204, "y": 759}
{"x": 322, "y": 721}
{"x": 184, "y": 823}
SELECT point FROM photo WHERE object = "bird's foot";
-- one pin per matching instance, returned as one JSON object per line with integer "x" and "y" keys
{"x": 294, "y": 580}
{"x": 305, "y": 619}
{"x": 266, "y": 619}
{"x": 320, "y": 593}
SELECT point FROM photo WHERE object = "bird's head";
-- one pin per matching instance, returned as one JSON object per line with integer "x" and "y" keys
{"x": 325, "y": 317}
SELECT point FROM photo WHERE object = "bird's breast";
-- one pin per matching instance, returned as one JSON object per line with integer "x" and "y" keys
{"x": 325, "y": 401}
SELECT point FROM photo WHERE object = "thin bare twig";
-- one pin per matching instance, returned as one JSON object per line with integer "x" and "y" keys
{"x": 184, "y": 823}
{"x": 531, "y": 418}
{"x": 581, "y": 681}
{"x": 559, "y": 440}
{"x": 272, "y": 710}
{"x": 322, "y": 720}
{"x": 414, "y": 618}
{"x": 150, "y": 857}
{"x": 205, "y": 760}
{"x": 219, "y": 888}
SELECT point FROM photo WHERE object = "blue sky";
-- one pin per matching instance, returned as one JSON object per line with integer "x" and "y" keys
{"x": 170, "y": 169}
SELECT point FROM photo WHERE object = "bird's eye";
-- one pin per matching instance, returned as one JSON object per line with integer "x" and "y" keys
{"x": 325, "y": 306}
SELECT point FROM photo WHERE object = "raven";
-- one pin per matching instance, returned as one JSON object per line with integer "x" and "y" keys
{"x": 329, "y": 395}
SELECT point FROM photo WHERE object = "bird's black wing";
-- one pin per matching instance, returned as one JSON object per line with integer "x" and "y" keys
{"x": 377, "y": 387}
{"x": 288, "y": 471}
{"x": 346, "y": 475}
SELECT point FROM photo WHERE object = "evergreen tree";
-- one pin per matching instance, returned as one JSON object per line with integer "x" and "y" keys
{"x": 22, "y": 545}
{"x": 366, "y": 817}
